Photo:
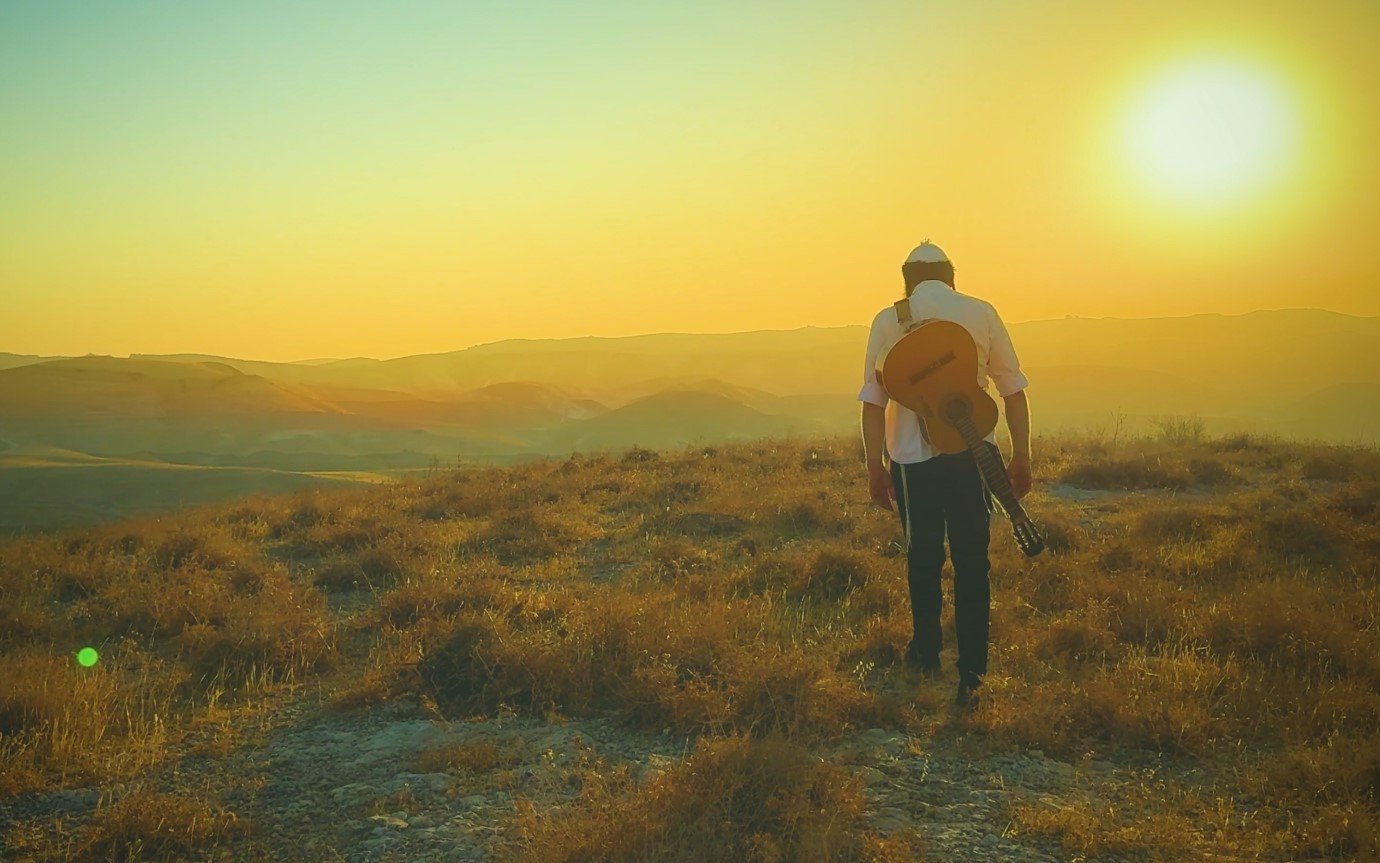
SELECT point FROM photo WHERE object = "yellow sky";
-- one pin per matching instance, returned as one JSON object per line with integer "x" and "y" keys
{"x": 340, "y": 181}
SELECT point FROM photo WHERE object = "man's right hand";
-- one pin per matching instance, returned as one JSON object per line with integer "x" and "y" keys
{"x": 1019, "y": 473}
{"x": 881, "y": 488}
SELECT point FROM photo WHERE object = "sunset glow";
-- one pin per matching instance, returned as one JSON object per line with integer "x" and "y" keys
{"x": 318, "y": 180}
{"x": 1211, "y": 132}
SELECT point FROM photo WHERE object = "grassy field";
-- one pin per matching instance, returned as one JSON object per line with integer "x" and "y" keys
{"x": 59, "y": 489}
{"x": 1204, "y": 624}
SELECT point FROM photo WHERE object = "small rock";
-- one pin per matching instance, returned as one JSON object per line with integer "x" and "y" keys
{"x": 379, "y": 844}
{"x": 390, "y": 821}
{"x": 990, "y": 839}
{"x": 354, "y": 794}
{"x": 419, "y": 783}
{"x": 872, "y": 776}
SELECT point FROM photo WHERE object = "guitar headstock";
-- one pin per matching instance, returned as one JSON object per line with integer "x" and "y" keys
{"x": 1028, "y": 537}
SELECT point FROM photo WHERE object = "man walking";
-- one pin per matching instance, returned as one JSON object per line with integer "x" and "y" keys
{"x": 935, "y": 493}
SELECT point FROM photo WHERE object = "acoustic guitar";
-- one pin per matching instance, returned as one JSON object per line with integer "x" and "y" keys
{"x": 932, "y": 370}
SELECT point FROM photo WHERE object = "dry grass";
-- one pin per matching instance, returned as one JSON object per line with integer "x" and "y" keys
{"x": 146, "y": 825}
{"x": 141, "y": 825}
{"x": 472, "y": 756}
{"x": 1212, "y": 601}
{"x": 734, "y": 798}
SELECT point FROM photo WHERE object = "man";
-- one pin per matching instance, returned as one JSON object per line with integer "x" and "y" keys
{"x": 942, "y": 493}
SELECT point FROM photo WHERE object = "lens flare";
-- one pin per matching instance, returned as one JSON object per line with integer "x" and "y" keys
{"x": 87, "y": 657}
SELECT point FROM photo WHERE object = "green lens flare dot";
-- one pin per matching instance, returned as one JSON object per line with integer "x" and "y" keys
{"x": 87, "y": 657}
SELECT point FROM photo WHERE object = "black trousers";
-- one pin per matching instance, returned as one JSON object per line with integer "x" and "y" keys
{"x": 945, "y": 495}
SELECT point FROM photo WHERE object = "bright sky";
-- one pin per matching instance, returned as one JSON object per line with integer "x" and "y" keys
{"x": 284, "y": 181}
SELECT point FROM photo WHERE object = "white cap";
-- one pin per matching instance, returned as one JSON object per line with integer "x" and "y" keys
{"x": 928, "y": 253}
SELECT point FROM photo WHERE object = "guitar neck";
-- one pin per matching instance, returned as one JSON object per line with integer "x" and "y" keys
{"x": 992, "y": 470}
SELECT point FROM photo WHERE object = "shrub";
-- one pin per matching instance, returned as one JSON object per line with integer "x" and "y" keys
{"x": 1181, "y": 430}
{"x": 833, "y": 574}
{"x": 1130, "y": 473}
{"x": 148, "y": 825}
{"x": 732, "y": 799}
{"x": 1182, "y": 523}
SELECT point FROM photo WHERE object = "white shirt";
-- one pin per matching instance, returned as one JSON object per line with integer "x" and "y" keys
{"x": 996, "y": 358}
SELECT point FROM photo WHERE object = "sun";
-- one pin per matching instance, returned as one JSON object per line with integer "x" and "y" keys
{"x": 1210, "y": 132}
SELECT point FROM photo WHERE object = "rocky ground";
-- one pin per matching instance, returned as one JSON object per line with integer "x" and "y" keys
{"x": 318, "y": 784}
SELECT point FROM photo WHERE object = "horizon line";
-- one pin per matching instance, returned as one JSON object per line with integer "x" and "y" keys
{"x": 306, "y": 360}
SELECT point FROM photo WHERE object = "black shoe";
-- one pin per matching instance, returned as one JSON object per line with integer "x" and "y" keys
{"x": 967, "y": 698}
{"x": 926, "y": 665}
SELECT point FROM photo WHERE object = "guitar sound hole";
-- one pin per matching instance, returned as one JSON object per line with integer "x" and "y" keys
{"x": 957, "y": 410}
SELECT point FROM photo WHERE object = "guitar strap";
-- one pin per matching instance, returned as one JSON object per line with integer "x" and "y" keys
{"x": 903, "y": 314}
{"x": 903, "y": 317}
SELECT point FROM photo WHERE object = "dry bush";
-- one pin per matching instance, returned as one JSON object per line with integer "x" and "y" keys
{"x": 472, "y": 756}
{"x": 430, "y": 598}
{"x": 1060, "y": 525}
{"x": 1083, "y": 637}
{"x": 732, "y": 799}
{"x": 661, "y": 661}
{"x": 1279, "y": 624}
{"x": 832, "y": 574}
{"x": 145, "y": 825}
{"x": 1331, "y": 465}
{"x": 883, "y": 642}
{"x": 1092, "y": 830}
{"x": 1359, "y": 500}
{"x": 61, "y": 722}
{"x": 1128, "y": 473}
{"x": 1211, "y": 472}
{"x": 1301, "y": 533}
{"x": 529, "y": 535}
{"x": 282, "y": 633}
{"x": 1181, "y": 430}
{"x": 375, "y": 569}
{"x": 1178, "y": 523}
{"x": 1333, "y": 790}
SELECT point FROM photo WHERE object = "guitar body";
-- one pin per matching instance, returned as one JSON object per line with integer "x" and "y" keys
{"x": 932, "y": 366}
{"x": 933, "y": 371}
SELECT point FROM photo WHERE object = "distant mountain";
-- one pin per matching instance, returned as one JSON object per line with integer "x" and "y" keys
{"x": 138, "y": 426}
{"x": 1069, "y": 394}
{"x": 11, "y": 361}
{"x": 522, "y": 396}
{"x": 670, "y": 419}
{"x": 1263, "y": 356}
{"x": 1343, "y": 412}
{"x": 108, "y": 387}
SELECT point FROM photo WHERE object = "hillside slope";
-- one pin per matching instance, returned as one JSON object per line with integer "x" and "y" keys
{"x": 696, "y": 655}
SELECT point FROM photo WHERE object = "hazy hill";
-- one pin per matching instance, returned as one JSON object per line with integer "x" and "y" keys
{"x": 9, "y": 361}
{"x": 807, "y": 360}
{"x": 108, "y": 387}
{"x": 1294, "y": 372}
{"x": 1262, "y": 358}
{"x": 1244, "y": 360}
{"x": 670, "y": 419}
